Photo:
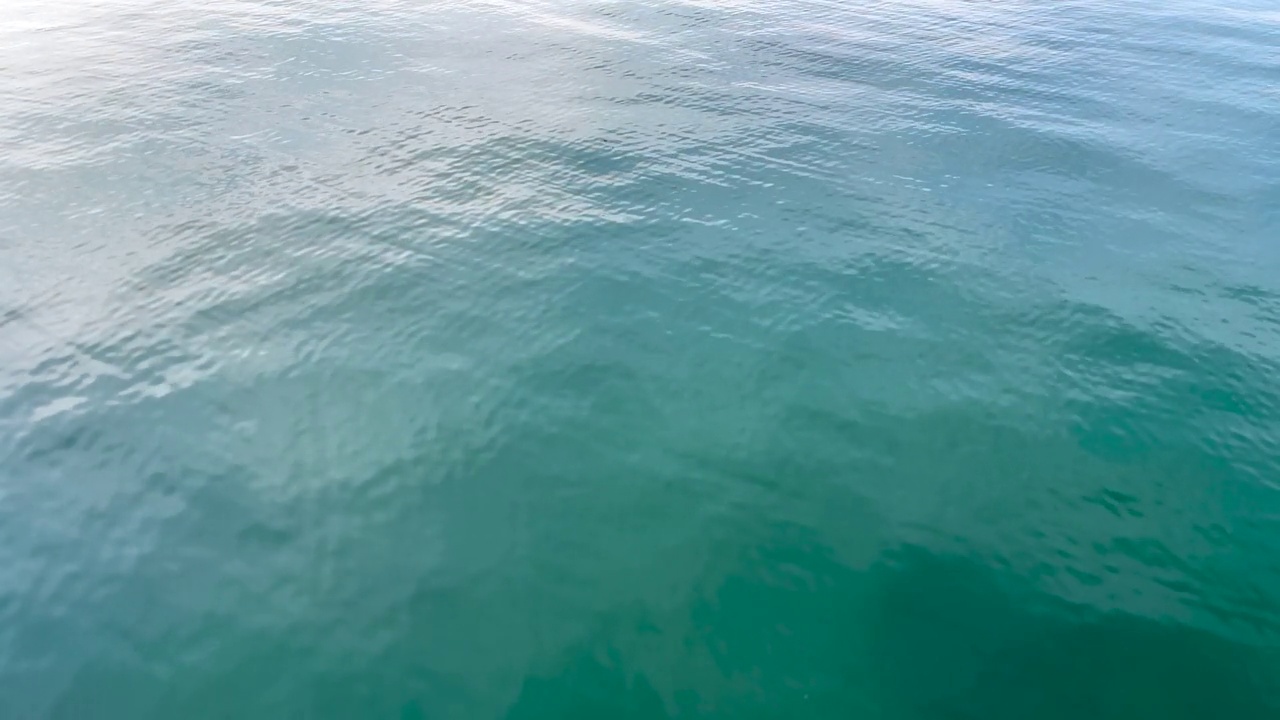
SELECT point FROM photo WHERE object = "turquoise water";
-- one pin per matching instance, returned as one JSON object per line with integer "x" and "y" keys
{"x": 907, "y": 360}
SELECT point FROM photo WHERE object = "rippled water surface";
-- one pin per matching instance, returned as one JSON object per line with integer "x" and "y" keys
{"x": 901, "y": 360}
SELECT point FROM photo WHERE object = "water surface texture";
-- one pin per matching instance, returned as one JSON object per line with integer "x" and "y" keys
{"x": 566, "y": 360}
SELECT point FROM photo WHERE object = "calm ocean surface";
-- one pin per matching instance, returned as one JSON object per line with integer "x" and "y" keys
{"x": 567, "y": 360}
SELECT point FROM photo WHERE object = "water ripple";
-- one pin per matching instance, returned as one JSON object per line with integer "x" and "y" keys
{"x": 654, "y": 358}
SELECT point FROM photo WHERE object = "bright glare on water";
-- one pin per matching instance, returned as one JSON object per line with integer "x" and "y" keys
{"x": 638, "y": 359}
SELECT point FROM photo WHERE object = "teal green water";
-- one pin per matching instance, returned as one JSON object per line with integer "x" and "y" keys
{"x": 908, "y": 360}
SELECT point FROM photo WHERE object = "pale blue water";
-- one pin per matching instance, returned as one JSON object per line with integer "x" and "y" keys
{"x": 784, "y": 359}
